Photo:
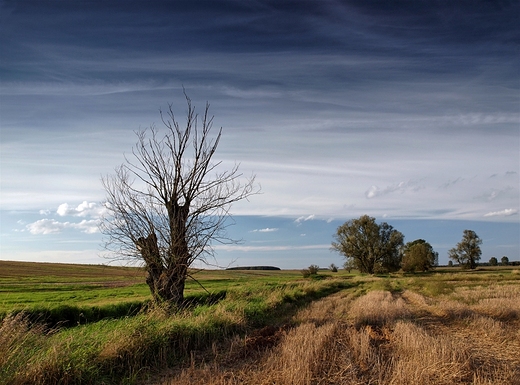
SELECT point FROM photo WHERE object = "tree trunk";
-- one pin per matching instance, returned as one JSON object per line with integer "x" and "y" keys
{"x": 170, "y": 289}
{"x": 166, "y": 285}
{"x": 154, "y": 266}
{"x": 178, "y": 258}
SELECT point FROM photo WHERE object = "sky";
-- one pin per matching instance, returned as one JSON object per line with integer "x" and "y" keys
{"x": 407, "y": 111}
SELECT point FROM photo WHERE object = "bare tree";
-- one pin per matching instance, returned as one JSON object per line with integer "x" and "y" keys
{"x": 167, "y": 204}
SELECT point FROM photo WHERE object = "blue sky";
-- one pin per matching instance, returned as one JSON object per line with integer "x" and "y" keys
{"x": 405, "y": 111}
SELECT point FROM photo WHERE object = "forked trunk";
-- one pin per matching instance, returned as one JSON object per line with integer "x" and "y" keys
{"x": 166, "y": 285}
{"x": 168, "y": 289}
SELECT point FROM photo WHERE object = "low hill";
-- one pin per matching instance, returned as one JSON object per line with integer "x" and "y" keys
{"x": 254, "y": 268}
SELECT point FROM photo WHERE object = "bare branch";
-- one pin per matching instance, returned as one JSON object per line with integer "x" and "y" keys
{"x": 167, "y": 204}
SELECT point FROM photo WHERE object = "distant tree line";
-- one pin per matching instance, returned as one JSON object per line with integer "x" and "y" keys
{"x": 254, "y": 268}
{"x": 379, "y": 248}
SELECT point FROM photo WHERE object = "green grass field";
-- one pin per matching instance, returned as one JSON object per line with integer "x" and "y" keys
{"x": 96, "y": 331}
{"x": 36, "y": 286}
{"x": 39, "y": 285}
{"x": 29, "y": 286}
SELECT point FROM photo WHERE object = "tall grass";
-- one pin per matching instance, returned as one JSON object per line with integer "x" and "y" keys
{"x": 111, "y": 351}
{"x": 390, "y": 330}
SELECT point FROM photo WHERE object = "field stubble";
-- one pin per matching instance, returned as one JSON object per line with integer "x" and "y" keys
{"x": 453, "y": 328}
{"x": 470, "y": 336}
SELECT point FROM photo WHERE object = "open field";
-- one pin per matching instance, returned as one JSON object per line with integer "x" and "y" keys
{"x": 272, "y": 327}
{"x": 34, "y": 286}
{"x": 25, "y": 285}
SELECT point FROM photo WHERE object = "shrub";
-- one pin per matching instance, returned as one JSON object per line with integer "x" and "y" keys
{"x": 311, "y": 271}
{"x": 333, "y": 268}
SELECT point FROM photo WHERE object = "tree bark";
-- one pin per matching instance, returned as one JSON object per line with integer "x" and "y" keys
{"x": 166, "y": 285}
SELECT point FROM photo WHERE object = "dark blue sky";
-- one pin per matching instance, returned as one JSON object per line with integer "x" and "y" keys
{"x": 400, "y": 110}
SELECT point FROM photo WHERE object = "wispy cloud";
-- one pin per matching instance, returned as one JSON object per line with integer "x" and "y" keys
{"x": 266, "y": 230}
{"x": 502, "y": 213}
{"x": 334, "y": 109}
{"x": 245, "y": 248}
{"x": 451, "y": 183}
{"x": 375, "y": 191}
{"x": 497, "y": 194}
{"x": 304, "y": 218}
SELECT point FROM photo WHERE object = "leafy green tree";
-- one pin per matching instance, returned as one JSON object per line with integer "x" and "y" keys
{"x": 504, "y": 260}
{"x": 372, "y": 247}
{"x": 467, "y": 252}
{"x": 418, "y": 256}
{"x": 493, "y": 261}
{"x": 450, "y": 263}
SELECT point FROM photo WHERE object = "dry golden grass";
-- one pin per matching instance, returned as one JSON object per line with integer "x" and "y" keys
{"x": 421, "y": 358}
{"x": 469, "y": 337}
{"x": 454, "y": 329}
{"x": 378, "y": 308}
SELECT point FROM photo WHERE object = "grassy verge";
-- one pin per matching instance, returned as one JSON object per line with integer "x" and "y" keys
{"x": 121, "y": 350}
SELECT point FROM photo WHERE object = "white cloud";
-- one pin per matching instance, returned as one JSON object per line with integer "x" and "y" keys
{"x": 372, "y": 192}
{"x": 64, "y": 209}
{"x": 503, "y": 213}
{"x": 84, "y": 209}
{"x": 305, "y": 218}
{"x": 45, "y": 212}
{"x": 46, "y": 226}
{"x": 52, "y": 226}
{"x": 87, "y": 226}
{"x": 266, "y": 230}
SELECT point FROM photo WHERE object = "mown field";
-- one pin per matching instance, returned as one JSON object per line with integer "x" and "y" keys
{"x": 80, "y": 324}
{"x": 40, "y": 288}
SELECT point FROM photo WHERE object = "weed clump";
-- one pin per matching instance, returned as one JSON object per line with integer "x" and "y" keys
{"x": 311, "y": 272}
